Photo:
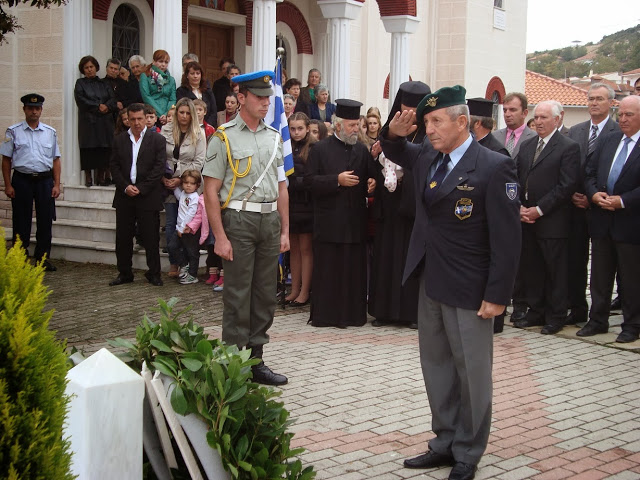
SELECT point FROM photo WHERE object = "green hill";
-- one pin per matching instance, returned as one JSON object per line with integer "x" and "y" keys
{"x": 618, "y": 52}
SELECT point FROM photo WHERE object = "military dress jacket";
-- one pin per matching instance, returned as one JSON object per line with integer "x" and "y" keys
{"x": 470, "y": 235}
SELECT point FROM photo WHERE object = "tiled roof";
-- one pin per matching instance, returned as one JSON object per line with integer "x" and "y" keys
{"x": 632, "y": 72}
{"x": 538, "y": 87}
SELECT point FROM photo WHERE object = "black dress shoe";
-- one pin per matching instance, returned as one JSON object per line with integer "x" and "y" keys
{"x": 549, "y": 329}
{"x": 48, "y": 266}
{"x": 120, "y": 279}
{"x": 430, "y": 459}
{"x": 264, "y": 375}
{"x": 518, "y": 315}
{"x": 591, "y": 329}
{"x": 498, "y": 323}
{"x": 626, "y": 337}
{"x": 413, "y": 325}
{"x": 378, "y": 323}
{"x": 463, "y": 471}
{"x": 527, "y": 322}
{"x": 616, "y": 303}
{"x": 154, "y": 280}
{"x": 575, "y": 318}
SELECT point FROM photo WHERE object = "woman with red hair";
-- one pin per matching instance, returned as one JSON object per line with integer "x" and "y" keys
{"x": 157, "y": 87}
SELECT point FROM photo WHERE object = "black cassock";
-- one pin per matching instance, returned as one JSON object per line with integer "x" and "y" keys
{"x": 393, "y": 212}
{"x": 339, "y": 282}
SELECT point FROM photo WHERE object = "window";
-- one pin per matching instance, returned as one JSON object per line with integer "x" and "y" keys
{"x": 126, "y": 34}
{"x": 498, "y": 4}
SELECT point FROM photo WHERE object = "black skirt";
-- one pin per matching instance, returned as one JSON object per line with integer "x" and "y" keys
{"x": 91, "y": 158}
{"x": 339, "y": 285}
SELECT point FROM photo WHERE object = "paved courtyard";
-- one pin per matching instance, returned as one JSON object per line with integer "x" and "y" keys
{"x": 564, "y": 408}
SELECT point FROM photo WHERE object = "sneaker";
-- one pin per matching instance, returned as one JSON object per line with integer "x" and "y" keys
{"x": 188, "y": 279}
{"x": 218, "y": 287}
{"x": 184, "y": 271}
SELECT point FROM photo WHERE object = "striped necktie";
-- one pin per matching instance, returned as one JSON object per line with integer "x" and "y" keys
{"x": 511, "y": 143}
{"x": 592, "y": 139}
{"x": 617, "y": 166}
{"x": 538, "y": 151}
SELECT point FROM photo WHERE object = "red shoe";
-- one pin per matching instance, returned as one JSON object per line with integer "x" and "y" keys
{"x": 213, "y": 276}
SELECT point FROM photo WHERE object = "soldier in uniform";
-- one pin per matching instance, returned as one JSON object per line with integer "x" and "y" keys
{"x": 247, "y": 205}
{"x": 31, "y": 149}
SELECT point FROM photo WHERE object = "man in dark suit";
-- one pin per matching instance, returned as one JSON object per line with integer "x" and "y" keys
{"x": 613, "y": 185}
{"x": 467, "y": 233}
{"x": 137, "y": 165}
{"x": 514, "y": 109}
{"x": 600, "y": 98}
{"x": 548, "y": 168}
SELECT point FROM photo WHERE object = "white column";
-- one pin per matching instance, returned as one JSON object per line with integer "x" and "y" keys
{"x": 339, "y": 14}
{"x": 400, "y": 26}
{"x": 78, "y": 42}
{"x": 167, "y": 33}
{"x": 264, "y": 34}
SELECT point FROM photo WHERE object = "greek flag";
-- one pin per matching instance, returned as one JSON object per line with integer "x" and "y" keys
{"x": 278, "y": 120}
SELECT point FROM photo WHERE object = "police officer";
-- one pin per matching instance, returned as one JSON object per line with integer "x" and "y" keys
{"x": 248, "y": 208}
{"x": 31, "y": 149}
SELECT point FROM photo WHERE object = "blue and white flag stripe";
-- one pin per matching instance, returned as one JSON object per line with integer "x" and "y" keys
{"x": 278, "y": 120}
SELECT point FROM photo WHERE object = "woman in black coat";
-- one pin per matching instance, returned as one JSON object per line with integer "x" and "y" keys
{"x": 300, "y": 212}
{"x": 194, "y": 85}
{"x": 97, "y": 105}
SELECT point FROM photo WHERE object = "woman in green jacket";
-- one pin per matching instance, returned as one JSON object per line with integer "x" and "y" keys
{"x": 157, "y": 87}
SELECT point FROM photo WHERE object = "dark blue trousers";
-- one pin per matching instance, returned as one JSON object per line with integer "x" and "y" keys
{"x": 29, "y": 189}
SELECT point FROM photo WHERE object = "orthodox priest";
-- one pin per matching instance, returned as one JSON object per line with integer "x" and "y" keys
{"x": 341, "y": 172}
{"x": 394, "y": 211}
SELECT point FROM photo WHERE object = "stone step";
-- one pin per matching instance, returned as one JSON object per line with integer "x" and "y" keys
{"x": 103, "y": 232}
{"x": 86, "y": 211}
{"x": 75, "y": 193}
{"x": 86, "y": 251}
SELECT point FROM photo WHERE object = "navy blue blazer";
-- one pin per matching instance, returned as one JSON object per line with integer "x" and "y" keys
{"x": 624, "y": 224}
{"x": 470, "y": 236}
{"x": 314, "y": 111}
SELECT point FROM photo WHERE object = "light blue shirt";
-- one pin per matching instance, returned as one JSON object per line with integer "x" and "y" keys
{"x": 31, "y": 150}
{"x": 455, "y": 157}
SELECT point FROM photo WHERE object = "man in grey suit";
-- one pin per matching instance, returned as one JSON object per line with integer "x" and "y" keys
{"x": 467, "y": 234}
{"x": 600, "y": 98}
{"x": 514, "y": 108}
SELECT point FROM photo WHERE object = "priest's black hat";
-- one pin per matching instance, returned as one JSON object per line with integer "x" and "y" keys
{"x": 411, "y": 93}
{"x": 348, "y": 109}
{"x": 481, "y": 107}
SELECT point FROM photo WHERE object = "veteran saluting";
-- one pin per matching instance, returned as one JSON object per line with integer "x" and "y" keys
{"x": 247, "y": 206}
{"x": 467, "y": 231}
{"x": 31, "y": 149}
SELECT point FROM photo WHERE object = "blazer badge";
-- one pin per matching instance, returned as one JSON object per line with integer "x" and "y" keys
{"x": 432, "y": 102}
{"x": 512, "y": 190}
{"x": 433, "y": 184}
{"x": 463, "y": 209}
{"x": 465, "y": 188}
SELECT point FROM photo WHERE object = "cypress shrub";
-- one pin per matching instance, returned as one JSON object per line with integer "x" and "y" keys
{"x": 32, "y": 376}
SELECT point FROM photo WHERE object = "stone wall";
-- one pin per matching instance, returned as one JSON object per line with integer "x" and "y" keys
{"x": 31, "y": 61}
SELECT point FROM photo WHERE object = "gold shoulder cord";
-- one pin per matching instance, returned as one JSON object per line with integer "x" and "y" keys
{"x": 234, "y": 168}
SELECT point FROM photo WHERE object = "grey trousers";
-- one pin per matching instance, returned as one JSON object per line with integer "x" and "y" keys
{"x": 249, "y": 295}
{"x": 456, "y": 355}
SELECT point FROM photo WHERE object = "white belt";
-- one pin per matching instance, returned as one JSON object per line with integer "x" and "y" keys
{"x": 253, "y": 206}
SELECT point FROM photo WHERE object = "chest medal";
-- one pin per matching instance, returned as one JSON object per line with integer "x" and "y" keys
{"x": 463, "y": 209}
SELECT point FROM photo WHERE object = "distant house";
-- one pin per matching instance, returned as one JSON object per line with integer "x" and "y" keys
{"x": 538, "y": 87}
{"x": 621, "y": 88}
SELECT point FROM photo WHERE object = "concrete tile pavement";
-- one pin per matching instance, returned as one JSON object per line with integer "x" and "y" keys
{"x": 564, "y": 408}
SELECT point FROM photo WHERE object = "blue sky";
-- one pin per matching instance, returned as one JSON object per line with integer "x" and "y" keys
{"x": 556, "y": 23}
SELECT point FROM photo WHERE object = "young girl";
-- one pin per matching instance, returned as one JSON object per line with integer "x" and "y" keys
{"x": 300, "y": 213}
{"x": 187, "y": 247}
{"x": 170, "y": 113}
{"x": 157, "y": 87}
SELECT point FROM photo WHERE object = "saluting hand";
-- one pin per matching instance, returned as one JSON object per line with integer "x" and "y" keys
{"x": 347, "y": 179}
{"x": 403, "y": 124}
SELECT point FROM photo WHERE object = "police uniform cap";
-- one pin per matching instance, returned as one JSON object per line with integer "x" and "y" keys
{"x": 480, "y": 107}
{"x": 32, "y": 100}
{"x": 348, "y": 109}
{"x": 258, "y": 83}
{"x": 412, "y": 92}
{"x": 442, "y": 98}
